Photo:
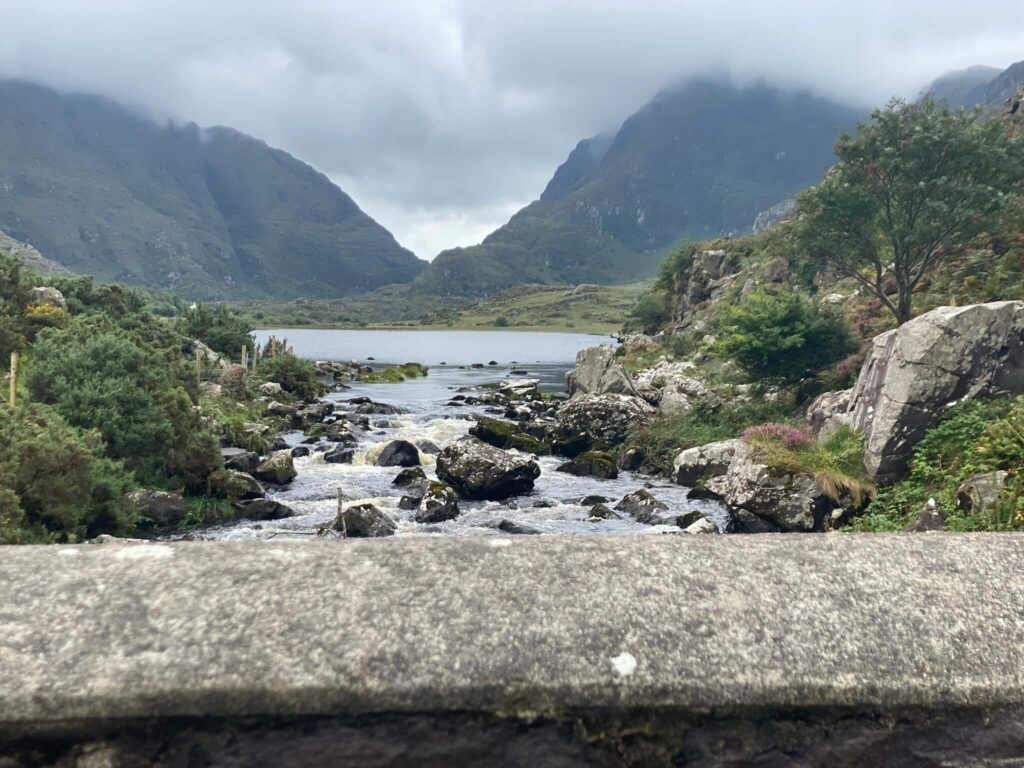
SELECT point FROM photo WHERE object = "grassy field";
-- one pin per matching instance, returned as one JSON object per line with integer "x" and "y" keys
{"x": 584, "y": 309}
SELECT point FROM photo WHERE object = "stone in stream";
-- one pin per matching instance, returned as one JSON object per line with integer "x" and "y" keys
{"x": 428, "y": 446}
{"x": 593, "y": 500}
{"x": 591, "y": 464}
{"x": 510, "y": 526}
{"x": 601, "y": 512}
{"x": 162, "y": 507}
{"x": 262, "y": 509}
{"x": 506, "y": 435}
{"x": 363, "y": 521}
{"x": 687, "y": 519}
{"x": 398, "y": 453}
{"x": 480, "y": 471}
{"x": 409, "y": 476}
{"x": 380, "y": 409}
{"x": 235, "y": 485}
{"x": 299, "y": 451}
{"x": 340, "y": 454}
{"x": 597, "y": 422}
{"x": 277, "y": 468}
{"x": 439, "y": 503}
{"x": 240, "y": 459}
{"x": 643, "y": 507}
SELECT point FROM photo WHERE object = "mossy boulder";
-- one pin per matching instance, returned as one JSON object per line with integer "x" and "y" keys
{"x": 363, "y": 521}
{"x": 591, "y": 464}
{"x": 440, "y": 502}
{"x": 278, "y": 468}
{"x": 507, "y": 435}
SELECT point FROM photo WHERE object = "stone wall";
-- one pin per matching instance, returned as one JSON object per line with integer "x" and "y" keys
{"x": 656, "y": 650}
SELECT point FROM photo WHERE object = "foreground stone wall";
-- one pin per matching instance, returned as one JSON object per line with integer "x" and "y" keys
{"x": 658, "y": 650}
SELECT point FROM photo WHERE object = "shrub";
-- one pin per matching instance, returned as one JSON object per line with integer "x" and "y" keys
{"x": 294, "y": 374}
{"x": 649, "y": 313}
{"x": 836, "y": 464}
{"x": 235, "y": 382}
{"x": 221, "y": 329}
{"x": 781, "y": 335}
{"x": 55, "y": 484}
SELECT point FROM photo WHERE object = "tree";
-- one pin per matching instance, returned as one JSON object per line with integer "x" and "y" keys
{"x": 781, "y": 335}
{"x": 910, "y": 187}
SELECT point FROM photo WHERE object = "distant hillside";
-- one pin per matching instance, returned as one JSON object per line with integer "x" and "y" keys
{"x": 699, "y": 160}
{"x": 206, "y": 213}
{"x": 29, "y": 255}
{"x": 988, "y": 87}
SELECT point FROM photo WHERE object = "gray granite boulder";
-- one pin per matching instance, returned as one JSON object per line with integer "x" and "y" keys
{"x": 363, "y": 521}
{"x": 597, "y": 372}
{"x": 695, "y": 465}
{"x": 278, "y": 468}
{"x": 597, "y": 422}
{"x": 439, "y": 503}
{"x": 480, "y": 471}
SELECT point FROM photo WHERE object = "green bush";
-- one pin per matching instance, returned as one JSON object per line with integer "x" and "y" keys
{"x": 782, "y": 336}
{"x": 55, "y": 485}
{"x": 649, "y": 313}
{"x": 294, "y": 374}
{"x": 221, "y": 329}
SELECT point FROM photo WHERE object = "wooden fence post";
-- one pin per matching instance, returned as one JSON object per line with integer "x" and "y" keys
{"x": 199, "y": 366}
{"x": 245, "y": 356}
{"x": 14, "y": 379}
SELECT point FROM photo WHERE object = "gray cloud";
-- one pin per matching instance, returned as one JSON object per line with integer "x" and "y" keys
{"x": 441, "y": 118}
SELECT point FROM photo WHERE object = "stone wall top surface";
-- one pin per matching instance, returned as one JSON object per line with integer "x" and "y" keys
{"x": 510, "y": 625}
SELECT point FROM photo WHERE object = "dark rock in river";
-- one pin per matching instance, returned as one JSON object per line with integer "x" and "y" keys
{"x": 428, "y": 447}
{"x": 480, "y": 471}
{"x": 363, "y": 521}
{"x": 643, "y": 507}
{"x": 240, "y": 459}
{"x": 398, "y": 453}
{"x": 278, "y": 468}
{"x": 591, "y": 464}
{"x": 506, "y": 435}
{"x": 299, "y": 451}
{"x": 410, "y": 476}
{"x": 340, "y": 455}
{"x": 601, "y": 512}
{"x": 380, "y": 409}
{"x": 597, "y": 422}
{"x": 262, "y": 509}
{"x": 232, "y": 484}
{"x": 510, "y": 526}
{"x": 439, "y": 503}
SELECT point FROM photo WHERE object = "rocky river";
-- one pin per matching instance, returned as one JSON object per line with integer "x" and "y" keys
{"x": 433, "y": 412}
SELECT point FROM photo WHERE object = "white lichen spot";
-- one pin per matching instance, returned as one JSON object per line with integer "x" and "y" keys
{"x": 500, "y": 542}
{"x": 144, "y": 551}
{"x": 69, "y": 552}
{"x": 624, "y": 664}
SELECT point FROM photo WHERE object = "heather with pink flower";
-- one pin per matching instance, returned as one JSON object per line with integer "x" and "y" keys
{"x": 793, "y": 438}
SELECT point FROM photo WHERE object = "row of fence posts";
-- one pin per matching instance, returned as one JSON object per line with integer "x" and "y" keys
{"x": 275, "y": 347}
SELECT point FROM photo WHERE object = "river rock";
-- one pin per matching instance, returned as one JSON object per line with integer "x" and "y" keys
{"x": 379, "y": 409}
{"x": 644, "y": 508}
{"x": 363, "y": 521}
{"x": 597, "y": 422}
{"x": 439, "y": 503}
{"x": 409, "y": 476}
{"x": 914, "y": 373}
{"x": 398, "y": 453}
{"x": 695, "y": 465}
{"x": 240, "y": 459}
{"x": 789, "y": 501}
{"x": 598, "y": 372}
{"x": 631, "y": 459}
{"x": 278, "y": 468}
{"x": 591, "y": 464}
{"x": 271, "y": 389}
{"x": 979, "y": 492}
{"x": 340, "y": 454}
{"x": 601, "y": 512}
{"x": 671, "y": 386}
{"x": 701, "y": 526}
{"x": 930, "y": 518}
{"x": 506, "y": 435}
{"x": 235, "y": 485}
{"x": 480, "y": 471}
{"x": 262, "y": 509}
{"x": 516, "y": 529}
{"x": 300, "y": 451}
{"x": 428, "y": 446}
{"x": 162, "y": 507}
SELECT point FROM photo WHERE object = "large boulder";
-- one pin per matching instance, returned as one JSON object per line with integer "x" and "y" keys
{"x": 597, "y": 372}
{"x": 162, "y": 507}
{"x": 644, "y": 508}
{"x": 696, "y": 465}
{"x": 277, "y": 468}
{"x": 671, "y": 386}
{"x": 591, "y": 464}
{"x": 262, "y": 509}
{"x": 480, "y": 471}
{"x": 363, "y": 521}
{"x": 46, "y": 294}
{"x": 597, "y": 422}
{"x": 828, "y": 412}
{"x": 398, "y": 453}
{"x": 980, "y": 492}
{"x": 914, "y": 373}
{"x": 235, "y": 485}
{"x": 240, "y": 459}
{"x": 785, "y": 501}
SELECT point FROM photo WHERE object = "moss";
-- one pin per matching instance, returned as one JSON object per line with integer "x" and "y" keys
{"x": 505, "y": 434}
{"x": 394, "y": 374}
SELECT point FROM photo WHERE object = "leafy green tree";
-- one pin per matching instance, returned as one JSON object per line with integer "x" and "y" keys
{"x": 781, "y": 335}
{"x": 220, "y": 328}
{"x": 913, "y": 185}
{"x": 55, "y": 484}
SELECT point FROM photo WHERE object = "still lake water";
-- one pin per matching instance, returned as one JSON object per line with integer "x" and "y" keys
{"x": 552, "y": 508}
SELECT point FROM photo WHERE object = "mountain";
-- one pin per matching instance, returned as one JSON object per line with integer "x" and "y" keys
{"x": 699, "y": 160}
{"x": 207, "y": 213}
{"x": 28, "y": 255}
{"x": 987, "y": 87}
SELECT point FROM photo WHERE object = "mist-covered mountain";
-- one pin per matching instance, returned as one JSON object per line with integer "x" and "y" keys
{"x": 206, "y": 213}
{"x": 987, "y": 87}
{"x": 699, "y": 160}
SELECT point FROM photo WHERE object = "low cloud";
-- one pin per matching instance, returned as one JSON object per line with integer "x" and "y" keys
{"x": 440, "y": 118}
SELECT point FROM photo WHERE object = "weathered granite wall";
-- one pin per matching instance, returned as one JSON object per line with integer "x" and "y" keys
{"x": 661, "y": 650}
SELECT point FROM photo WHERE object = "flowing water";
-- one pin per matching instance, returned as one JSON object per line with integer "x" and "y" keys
{"x": 552, "y": 507}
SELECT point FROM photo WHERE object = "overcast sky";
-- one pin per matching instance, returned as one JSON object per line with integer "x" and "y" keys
{"x": 443, "y": 117}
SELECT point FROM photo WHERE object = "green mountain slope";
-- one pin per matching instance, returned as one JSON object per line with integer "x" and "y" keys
{"x": 987, "y": 87}
{"x": 208, "y": 214}
{"x": 697, "y": 161}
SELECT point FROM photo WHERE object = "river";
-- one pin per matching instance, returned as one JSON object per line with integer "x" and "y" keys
{"x": 552, "y": 508}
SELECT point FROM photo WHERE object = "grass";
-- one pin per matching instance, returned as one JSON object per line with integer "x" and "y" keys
{"x": 231, "y": 417}
{"x": 394, "y": 374}
{"x": 591, "y": 309}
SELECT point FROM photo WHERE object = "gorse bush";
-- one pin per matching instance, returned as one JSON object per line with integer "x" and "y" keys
{"x": 781, "y": 336}
{"x": 294, "y": 374}
{"x": 219, "y": 328}
{"x": 55, "y": 484}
